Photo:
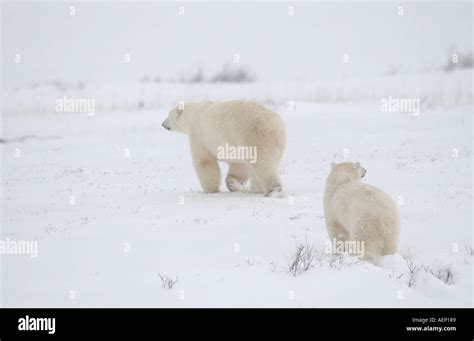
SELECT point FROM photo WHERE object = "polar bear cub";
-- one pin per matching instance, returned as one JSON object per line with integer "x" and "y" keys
{"x": 358, "y": 212}
{"x": 246, "y": 135}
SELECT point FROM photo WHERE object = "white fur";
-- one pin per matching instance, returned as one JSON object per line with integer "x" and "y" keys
{"x": 356, "y": 211}
{"x": 211, "y": 125}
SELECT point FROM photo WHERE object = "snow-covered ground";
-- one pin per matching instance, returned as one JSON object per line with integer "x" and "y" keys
{"x": 114, "y": 202}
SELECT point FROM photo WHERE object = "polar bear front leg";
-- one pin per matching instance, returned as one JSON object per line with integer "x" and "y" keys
{"x": 206, "y": 167}
{"x": 237, "y": 176}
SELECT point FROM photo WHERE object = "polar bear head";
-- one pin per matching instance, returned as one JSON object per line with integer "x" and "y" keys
{"x": 177, "y": 119}
{"x": 345, "y": 172}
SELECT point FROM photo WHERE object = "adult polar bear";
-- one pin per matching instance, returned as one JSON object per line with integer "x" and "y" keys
{"x": 358, "y": 212}
{"x": 212, "y": 126}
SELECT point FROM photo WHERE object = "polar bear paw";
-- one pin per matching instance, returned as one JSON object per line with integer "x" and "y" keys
{"x": 234, "y": 184}
{"x": 275, "y": 192}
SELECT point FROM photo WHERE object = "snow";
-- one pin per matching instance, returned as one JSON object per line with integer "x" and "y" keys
{"x": 112, "y": 198}
{"x": 113, "y": 201}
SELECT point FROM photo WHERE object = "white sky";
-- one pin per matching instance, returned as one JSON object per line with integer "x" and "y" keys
{"x": 309, "y": 46}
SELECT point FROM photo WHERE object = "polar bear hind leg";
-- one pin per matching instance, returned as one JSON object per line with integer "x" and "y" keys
{"x": 266, "y": 175}
{"x": 372, "y": 241}
{"x": 336, "y": 231}
{"x": 255, "y": 186}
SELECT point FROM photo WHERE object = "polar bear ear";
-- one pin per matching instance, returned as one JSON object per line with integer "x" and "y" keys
{"x": 333, "y": 164}
{"x": 180, "y": 108}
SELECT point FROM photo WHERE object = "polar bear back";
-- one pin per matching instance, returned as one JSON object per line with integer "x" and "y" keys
{"x": 238, "y": 123}
{"x": 355, "y": 202}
